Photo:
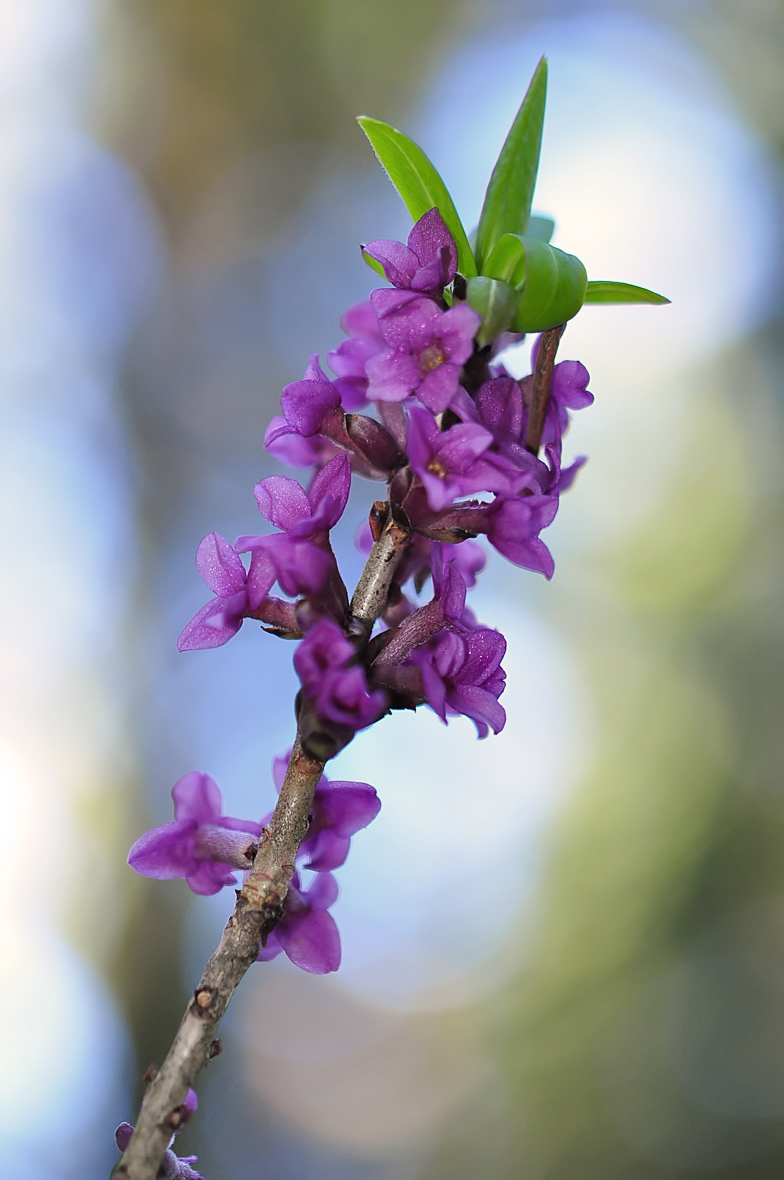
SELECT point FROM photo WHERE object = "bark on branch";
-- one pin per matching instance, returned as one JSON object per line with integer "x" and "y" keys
{"x": 259, "y": 904}
{"x": 542, "y": 384}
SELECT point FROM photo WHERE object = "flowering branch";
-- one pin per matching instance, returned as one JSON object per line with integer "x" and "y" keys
{"x": 443, "y": 421}
{"x": 259, "y": 905}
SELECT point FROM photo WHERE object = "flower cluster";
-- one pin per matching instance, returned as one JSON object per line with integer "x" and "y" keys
{"x": 417, "y": 403}
{"x": 446, "y": 427}
{"x": 204, "y": 846}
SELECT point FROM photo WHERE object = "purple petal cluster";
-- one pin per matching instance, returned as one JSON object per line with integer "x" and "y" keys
{"x": 417, "y": 404}
{"x": 204, "y": 846}
{"x": 440, "y": 655}
{"x": 307, "y": 932}
{"x": 201, "y": 845}
{"x": 326, "y": 664}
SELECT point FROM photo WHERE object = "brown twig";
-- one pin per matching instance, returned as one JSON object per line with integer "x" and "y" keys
{"x": 259, "y": 904}
{"x": 542, "y": 384}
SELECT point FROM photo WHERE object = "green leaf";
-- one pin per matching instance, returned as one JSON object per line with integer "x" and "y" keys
{"x": 504, "y": 258}
{"x": 418, "y": 183}
{"x": 553, "y": 286}
{"x": 496, "y": 302}
{"x": 605, "y": 292}
{"x": 540, "y": 227}
{"x": 507, "y": 206}
{"x": 372, "y": 262}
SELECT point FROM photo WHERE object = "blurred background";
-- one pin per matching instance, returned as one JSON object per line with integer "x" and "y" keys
{"x": 563, "y": 947}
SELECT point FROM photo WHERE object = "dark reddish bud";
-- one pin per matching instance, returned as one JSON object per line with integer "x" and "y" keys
{"x": 373, "y": 443}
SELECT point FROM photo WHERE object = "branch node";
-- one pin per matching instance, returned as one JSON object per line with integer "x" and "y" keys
{"x": 203, "y": 998}
{"x": 214, "y": 1050}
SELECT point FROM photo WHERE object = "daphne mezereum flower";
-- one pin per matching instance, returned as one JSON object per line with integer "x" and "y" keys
{"x": 220, "y": 566}
{"x": 201, "y": 845}
{"x": 339, "y": 810}
{"x": 307, "y": 932}
{"x": 459, "y": 461}
{"x": 569, "y": 391}
{"x": 463, "y": 674}
{"x": 455, "y": 673}
{"x": 426, "y": 348}
{"x": 428, "y": 263}
{"x": 172, "y": 1167}
{"x": 335, "y": 685}
{"x": 348, "y": 360}
{"x": 300, "y": 558}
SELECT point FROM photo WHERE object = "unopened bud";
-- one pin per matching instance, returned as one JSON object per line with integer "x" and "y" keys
{"x": 372, "y": 442}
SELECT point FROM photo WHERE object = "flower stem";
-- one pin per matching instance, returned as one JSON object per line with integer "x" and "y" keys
{"x": 259, "y": 904}
{"x": 543, "y": 380}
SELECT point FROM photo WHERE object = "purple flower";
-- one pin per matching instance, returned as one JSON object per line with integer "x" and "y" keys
{"x": 427, "y": 264}
{"x": 300, "y": 558}
{"x": 426, "y": 349}
{"x": 569, "y": 391}
{"x": 468, "y": 558}
{"x": 463, "y": 674}
{"x": 458, "y": 461}
{"x": 307, "y": 403}
{"x": 200, "y": 845}
{"x": 306, "y": 932}
{"x": 446, "y": 609}
{"x": 295, "y": 450}
{"x": 513, "y": 525}
{"x": 312, "y": 422}
{"x": 499, "y": 407}
{"x": 336, "y": 686}
{"x": 348, "y": 360}
{"x": 172, "y": 1167}
{"x": 221, "y": 568}
{"x": 338, "y": 812}
{"x": 455, "y": 671}
{"x": 561, "y": 480}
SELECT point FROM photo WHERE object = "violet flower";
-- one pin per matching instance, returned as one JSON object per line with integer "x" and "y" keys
{"x": 294, "y": 449}
{"x": 307, "y": 932}
{"x": 569, "y": 391}
{"x": 336, "y": 686}
{"x": 300, "y": 558}
{"x": 172, "y": 1167}
{"x": 221, "y": 568}
{"x": 455, "y": 672}
{"x": 512, "y": 525}
{"x": 312, "y": 414}
{"x": 339, "y": 810}
{"x": 201, "y": 845}
{"x": 458, "y": 461}
{"x": 348, "y": 360}
{"x": 463, "y": 674}
{"x": 427, "y": 348}
{"x": 427, "y": 264}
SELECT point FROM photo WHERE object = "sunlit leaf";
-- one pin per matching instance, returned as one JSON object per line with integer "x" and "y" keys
{"x": 418, "y": 182}
{"x": 606, "y": 292}
{"x": 507, "y": 205}
{"x": 553, "y": 286}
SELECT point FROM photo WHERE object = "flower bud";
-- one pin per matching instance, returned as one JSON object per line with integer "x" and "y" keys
{"x": 373, "y": 443}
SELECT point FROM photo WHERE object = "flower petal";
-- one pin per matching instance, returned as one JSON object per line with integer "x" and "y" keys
{"x": 197, "y": 797}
